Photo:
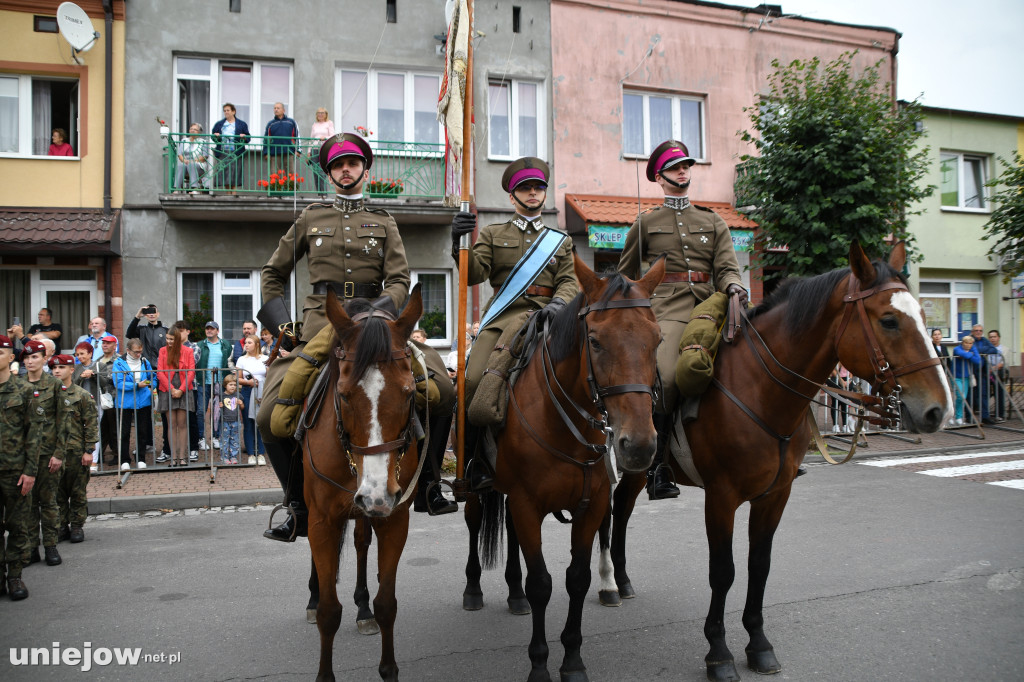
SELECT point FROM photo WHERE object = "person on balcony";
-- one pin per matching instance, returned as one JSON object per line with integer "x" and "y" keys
{"x": 323, "y": 127}
{"x": 193, "y": 156}
{"x": 230, "y": 134}
{"x": 279, "y": 148}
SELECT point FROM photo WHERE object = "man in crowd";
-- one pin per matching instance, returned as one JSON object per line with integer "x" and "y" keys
{"x": 1000, "y": 374}
{"x": 46, "y": 325}
{"x": 280, "y": 148}
{"x": 981, "y": 391}
{"x": 108, "y": 422}
{"x": 214, "y": 354}
{"x": 97, "y": 330}
{"x": 238, "y": 350}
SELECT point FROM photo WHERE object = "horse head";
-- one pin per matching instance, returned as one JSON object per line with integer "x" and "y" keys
{"x": 889, "y": 345}
{"x": 375, "y": 395}
{"x": 622, "y": 344}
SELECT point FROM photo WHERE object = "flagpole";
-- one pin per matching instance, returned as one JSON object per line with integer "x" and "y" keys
{"x": 459, "y": 486}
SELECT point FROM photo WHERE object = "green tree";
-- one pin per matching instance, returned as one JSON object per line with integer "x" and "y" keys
{"x": 1006, "y": 226}
{"x": 835, "y": 162}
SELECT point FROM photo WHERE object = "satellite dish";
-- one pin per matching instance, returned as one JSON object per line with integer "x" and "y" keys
{"x": 76, "y": 27}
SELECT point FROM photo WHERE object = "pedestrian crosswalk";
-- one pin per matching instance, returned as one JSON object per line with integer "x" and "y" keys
{"x": 1003, "y": 468}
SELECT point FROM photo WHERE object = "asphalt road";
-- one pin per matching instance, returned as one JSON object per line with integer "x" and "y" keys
{"x": 877, "y": 574}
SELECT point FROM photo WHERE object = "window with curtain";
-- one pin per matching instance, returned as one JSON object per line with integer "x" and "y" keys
{"x": 515, "y": 110}
{"x": 648, "y": 119}
{"x": 15, "y": 297}
{"x": 228, "y": 296}
{"x": 31, "y": 107}
{"x": 204, "y": 84}
{"x": 437, "y": 305}
{"x": 962, "y": 184}
{"x": 398, "y": 106}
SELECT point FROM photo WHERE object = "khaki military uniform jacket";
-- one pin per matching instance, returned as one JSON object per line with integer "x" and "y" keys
{"x": 45, "y": 420}
{"x": 79, "y": 427}
{"x": 500, "y": 246}
{"x": 361, "y": 246}
{"x": 16, "y": 457}
{"x": 693, "y": 239}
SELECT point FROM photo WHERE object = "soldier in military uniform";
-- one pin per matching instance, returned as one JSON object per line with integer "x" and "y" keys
{"x": 18, "y": 463}
{"x": 358, "y": 250}
{"x": 44, "y": 425}
{"x": 498, "y": 248}
{"x": 701, "y": 260}
{"x": 77, "y": 440}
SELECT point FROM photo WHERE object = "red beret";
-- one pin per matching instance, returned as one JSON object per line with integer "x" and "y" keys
{"x": 33, "y": 346}
{"x": 61, "y": 360}
{"x": 5, "y": 342}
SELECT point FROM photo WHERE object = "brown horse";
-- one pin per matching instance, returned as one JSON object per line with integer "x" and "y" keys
{"x": 752, "y": 432}
{"x": 360, "y": 455}
{"x": 591, "y": 380}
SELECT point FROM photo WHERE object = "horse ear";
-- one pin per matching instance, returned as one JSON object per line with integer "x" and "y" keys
{"x": 406, "y": 322}
{"x": 336, "y": 314}
{"x": 898, "y": 257}
{"x": 588, "y": 279}
{"x": 861, "y": 266}
{"x": 652, "y": 279}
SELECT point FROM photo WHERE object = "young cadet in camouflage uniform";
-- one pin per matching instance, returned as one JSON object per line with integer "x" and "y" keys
{"x": 44, "y": 425}
{"x": 77, "y": 440}
{"x": 18, "y": 463}
{"x": 497, "y": 250}
{"x": 701, "y": 260}
{"x": 357, "y": 250}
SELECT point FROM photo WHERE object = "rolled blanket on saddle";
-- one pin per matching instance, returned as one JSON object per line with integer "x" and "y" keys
{"x": 697, "y": 349}
{"x": 490, "y": 402}
{"x": 303, "y": 373}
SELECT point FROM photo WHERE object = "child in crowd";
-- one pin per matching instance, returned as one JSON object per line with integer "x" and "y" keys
{"x": 78, "y": 433}
{"x": 230, "y": 421}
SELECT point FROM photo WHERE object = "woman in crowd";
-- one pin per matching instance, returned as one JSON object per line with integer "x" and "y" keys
{"x": 133, "y": 399}
{"x": 964, "y": 356}
{"x": 176, "y": 367}
{"x": 252, "y": 371}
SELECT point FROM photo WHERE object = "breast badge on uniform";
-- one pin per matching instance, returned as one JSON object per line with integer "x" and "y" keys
{"x": 703, "y": 239}
{"x": 372, "y": 242}
{"x": 319, "y": 241}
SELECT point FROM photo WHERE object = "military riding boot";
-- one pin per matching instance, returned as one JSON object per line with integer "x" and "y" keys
{"x": 288, "y": 467}
{"x": 660, "y": 485}
{"x": 433, "y": 502}
{"x": 478, "y": 470}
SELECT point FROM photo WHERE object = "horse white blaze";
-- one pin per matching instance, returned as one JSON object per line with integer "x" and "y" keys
{"x": 904, "y": 302}
{"x": 375, "y": 467}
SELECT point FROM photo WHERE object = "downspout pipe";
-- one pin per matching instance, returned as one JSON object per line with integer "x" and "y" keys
{"x": 108, "y": 100}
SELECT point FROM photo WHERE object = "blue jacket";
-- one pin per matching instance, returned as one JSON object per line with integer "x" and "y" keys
{"x": 963, "y": 359}
{"x": 285, "y": 130}
{"x": 128, "y": 394}
{"x": 241, "y": 130}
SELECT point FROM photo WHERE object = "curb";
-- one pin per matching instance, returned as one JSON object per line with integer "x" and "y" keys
{"x": 218, "y": 498}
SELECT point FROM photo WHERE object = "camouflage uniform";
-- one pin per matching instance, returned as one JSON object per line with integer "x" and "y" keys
{"x": 44, "y": 425}
{"x": 18, "y": 456}
{"x": 78, "y": 437}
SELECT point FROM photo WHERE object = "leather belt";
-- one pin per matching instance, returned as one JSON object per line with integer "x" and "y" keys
{"x": 688, "y": 276}
{"x": 539, "y": 291}
{"x": 348, "y": 289}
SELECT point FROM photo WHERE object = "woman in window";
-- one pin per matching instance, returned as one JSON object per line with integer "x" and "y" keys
{"x": 59, "y": 143}
{"x": 252, "y": 372}
{"x": 176, "y": 367}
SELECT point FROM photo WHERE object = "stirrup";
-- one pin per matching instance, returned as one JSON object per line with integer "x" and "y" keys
{"x": 269, "y": 532}
{"x": 437, "y": 484}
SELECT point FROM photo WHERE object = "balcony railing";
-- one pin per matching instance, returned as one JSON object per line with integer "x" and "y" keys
{"x": 282, "y": 167}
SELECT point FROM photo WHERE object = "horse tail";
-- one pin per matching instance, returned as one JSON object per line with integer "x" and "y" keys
{"x": 492, "y": 528}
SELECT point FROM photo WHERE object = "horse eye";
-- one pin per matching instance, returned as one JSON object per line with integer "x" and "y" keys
{"x": 594, "y": 343}
{"x": 890, "y": 323}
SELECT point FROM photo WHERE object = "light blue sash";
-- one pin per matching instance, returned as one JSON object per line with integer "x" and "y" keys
{"x": 524, "y": 272}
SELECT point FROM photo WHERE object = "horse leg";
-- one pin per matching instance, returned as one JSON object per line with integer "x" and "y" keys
{"x": 608, "y": 592}
{"x": 518, "y": 604}
{"x": 577, "y": 584}
{"x": 765, "y": 514}
{"x": 719, "y": 517}
{"x": 365, "y": 622}
{"x": 325, "y": 544}
{"x": 473, "y": 595}
{"x": 314, "y": 592}
{"x": 392, "y": 532}
{"x": 623, "y": 501}
{"x": 538, "y": 585}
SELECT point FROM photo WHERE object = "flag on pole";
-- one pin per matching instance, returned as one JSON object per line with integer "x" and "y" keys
{"x": 451, "y": 101}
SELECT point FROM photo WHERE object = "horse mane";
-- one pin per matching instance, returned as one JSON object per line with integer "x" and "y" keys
{"x": 805, "y": 297}
{"x": 564, "y": 328}
{"x": 374, "y": 342}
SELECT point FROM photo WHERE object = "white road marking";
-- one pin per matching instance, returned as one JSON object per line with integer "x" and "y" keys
{"x": 938, "y": 458}
{"x": 1018, "y": 484}
{"x": 973, "y": 469}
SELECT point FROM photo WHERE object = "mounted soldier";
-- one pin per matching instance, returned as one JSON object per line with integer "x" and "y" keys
{"x": 357, "y": 250}
{"x": 529, "y": 266}
{"x": 701, "y": 260}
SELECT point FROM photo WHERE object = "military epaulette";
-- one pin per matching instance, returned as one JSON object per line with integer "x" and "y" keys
{"x": 377, "y": 209}
{"x": 702, "y": 208}
{"x": 652, "y": 208}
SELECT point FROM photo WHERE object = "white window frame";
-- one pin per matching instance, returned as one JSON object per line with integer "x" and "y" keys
{"x": 513, "y": 116}
{"x": 954, "y": 296}
{"x": 370, "y": 83}
{"x": 256, "y": 125}
{"x": 983, "y": 160}
{"x": 25, "y": 119}
{"x": 219, "y": 290}
{"x": 677, "y": 123}
{"x": 449, "y": 311}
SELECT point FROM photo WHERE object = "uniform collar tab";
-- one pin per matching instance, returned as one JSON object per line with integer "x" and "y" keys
{"x": 677, "y": 203}
{"x": 349, "y": 204}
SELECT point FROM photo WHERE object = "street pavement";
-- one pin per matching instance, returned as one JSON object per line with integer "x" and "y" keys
{"x": 879, "y": 572}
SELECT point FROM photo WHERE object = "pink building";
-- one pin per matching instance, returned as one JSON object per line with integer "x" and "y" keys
{"x": 628, "y": 74}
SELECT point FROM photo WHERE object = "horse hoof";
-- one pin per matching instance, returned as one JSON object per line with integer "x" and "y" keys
{"x": 539, "y": 675}
{"x": 626, "y": 590}
{"x": 368, "y": 626}
{"x": 763, "y": 662}
{"x": 518, "y": 606}
{"x": 472, "y": 602}
{"x": 723, "y": 671}
{"x": 311, "y": 616}
{"x": 573, "y": 676}
{"x": 609, "y": 597}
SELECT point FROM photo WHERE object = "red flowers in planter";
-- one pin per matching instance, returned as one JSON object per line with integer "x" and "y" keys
{"x": 282, "y": 181}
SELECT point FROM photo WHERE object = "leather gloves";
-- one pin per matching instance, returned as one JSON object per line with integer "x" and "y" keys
{"x": 462, "y": 223}
{"x": 386, "y": 304}
{"x": 548, "y": 312}
{"x": 737, "y": 289}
